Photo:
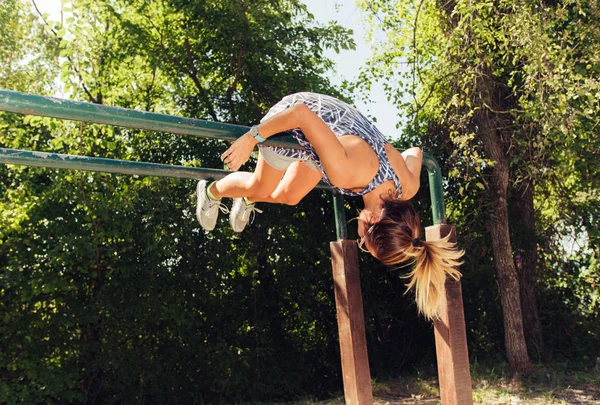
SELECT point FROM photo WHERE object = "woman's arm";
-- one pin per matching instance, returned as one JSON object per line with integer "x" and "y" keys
{"x": 326, "y": 144}
{"x": 407, "y": 166}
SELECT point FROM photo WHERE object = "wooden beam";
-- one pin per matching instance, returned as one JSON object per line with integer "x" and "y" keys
{"x": 451, "y": 338}
{"x": 351, "y": 323}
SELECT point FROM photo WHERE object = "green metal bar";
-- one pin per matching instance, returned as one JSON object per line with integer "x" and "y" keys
{"x": 62, "y": 161}
{"x": 93, "y": 164}
{"x": 339, "y": 211}
{"x": 30, "y": 104}
{"x": 435, "y": 189}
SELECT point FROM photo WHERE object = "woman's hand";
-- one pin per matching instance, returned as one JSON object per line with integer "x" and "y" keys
{"x": 239, "y": 152}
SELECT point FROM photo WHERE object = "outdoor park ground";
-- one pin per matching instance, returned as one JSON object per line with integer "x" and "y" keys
{"x": 548, "y": 385}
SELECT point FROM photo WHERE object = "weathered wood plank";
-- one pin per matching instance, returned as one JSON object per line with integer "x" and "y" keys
{"x": 351, "y": 323}
{"x": 450, "y": 337}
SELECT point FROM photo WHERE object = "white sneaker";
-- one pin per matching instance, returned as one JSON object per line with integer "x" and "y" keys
{"x": 207, "y": 210}
{"x": 240, "y": 214}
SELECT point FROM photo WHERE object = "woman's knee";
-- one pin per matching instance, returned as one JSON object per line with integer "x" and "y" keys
{"x": 260, "y": 189}
{"x": 291, "y": 201}
{"x": 300, "y": 112}
{"x": 286, "y": 197}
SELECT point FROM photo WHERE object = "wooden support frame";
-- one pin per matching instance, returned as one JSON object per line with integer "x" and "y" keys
{"x": 351, "y": 323}
{"x": 450, "y": 330}
{"x": 450, "y": 336}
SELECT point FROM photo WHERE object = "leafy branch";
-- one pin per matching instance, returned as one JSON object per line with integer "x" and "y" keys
{"x": 81, "y": 80}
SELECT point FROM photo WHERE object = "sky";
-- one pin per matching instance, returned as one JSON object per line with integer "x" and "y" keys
{"x": 348, "y": 63}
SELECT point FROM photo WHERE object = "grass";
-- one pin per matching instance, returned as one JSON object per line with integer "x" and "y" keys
{"x": 547, "y": 385}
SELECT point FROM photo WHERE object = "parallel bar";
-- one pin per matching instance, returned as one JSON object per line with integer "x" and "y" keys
{"x": 93, "y": 164}
{"x": 30, "y": 104}
{"x": 72, "y": 162}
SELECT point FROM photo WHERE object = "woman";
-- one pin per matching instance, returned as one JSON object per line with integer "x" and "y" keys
{"x": 344, "y": 149}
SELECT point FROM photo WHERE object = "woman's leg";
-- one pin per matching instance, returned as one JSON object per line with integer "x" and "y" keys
{"x": 328, "y": 147}
{"x": 257, "y": 185}
{"x": 264, "y": 185}
{"x": 340, "y": 166}
{"x": 299, "y": 180}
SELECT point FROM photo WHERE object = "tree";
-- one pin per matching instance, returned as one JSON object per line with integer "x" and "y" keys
{"x": 480, "y": 73}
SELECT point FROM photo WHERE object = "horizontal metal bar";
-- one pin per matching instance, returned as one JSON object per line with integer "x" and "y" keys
{"x": 73, "y": 162}
{"x": 86, "y": 163}
{"x": 29, "y": 104}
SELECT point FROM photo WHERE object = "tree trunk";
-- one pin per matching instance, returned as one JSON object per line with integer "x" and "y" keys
{"x": 489, "y": 99}
{"x": 508, "y": 284}
{"x": 523, "y": 204}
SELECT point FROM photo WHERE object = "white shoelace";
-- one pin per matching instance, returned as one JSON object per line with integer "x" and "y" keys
{"x": 250, "y": 212}
{"x": 219, "y": 205}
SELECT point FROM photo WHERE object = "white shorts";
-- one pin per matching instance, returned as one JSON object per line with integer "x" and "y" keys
{"x": 280, "y": 162}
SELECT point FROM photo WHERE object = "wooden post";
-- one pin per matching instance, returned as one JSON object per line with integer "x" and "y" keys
{"x": 351, "y": 323}
{"x": 451, "y": 338}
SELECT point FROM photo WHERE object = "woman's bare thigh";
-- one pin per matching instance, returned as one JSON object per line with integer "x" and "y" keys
{"x": 298, "y": 180}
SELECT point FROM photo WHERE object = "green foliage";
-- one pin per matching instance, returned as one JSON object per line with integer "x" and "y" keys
{"x": 110, "y": 292}
{"x": 25, "y": 50}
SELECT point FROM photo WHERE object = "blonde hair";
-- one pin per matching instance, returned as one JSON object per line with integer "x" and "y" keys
{"x": 395, "y": 239}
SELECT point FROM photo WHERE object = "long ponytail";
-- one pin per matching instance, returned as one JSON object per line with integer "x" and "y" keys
{"x": 395, "y": 239}
{"x": 433, "y": 262}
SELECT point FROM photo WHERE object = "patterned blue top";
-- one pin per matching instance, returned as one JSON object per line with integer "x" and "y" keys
{"x": 342, "y": 119}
